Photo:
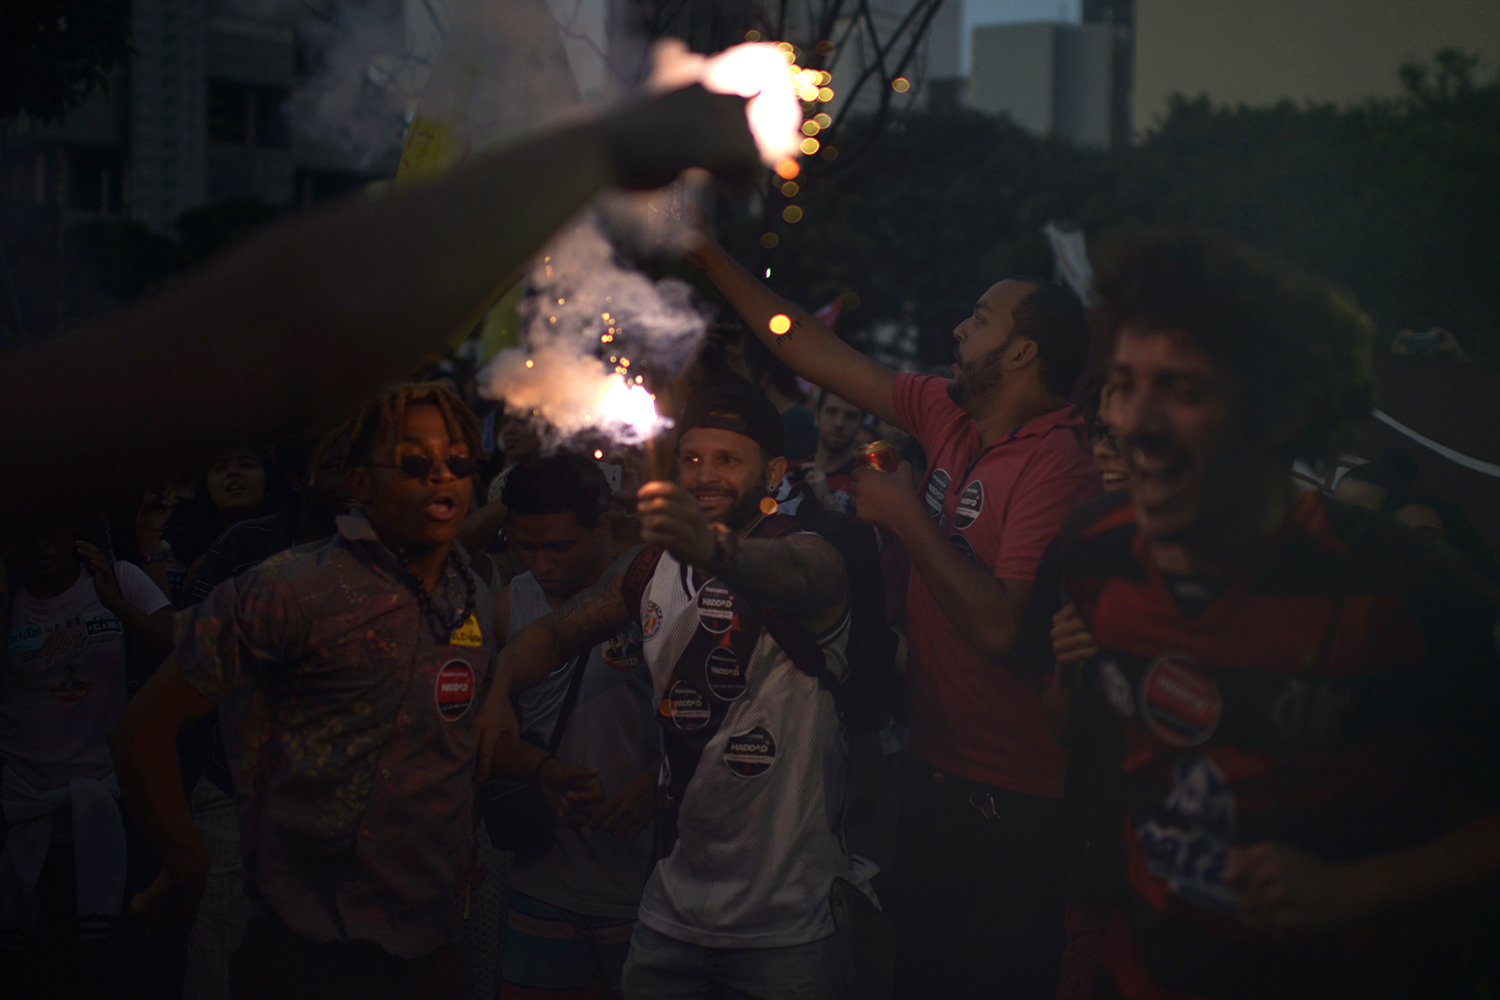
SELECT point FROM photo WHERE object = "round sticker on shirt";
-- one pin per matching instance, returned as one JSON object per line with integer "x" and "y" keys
{"x": 750, "y": 754}
{"x": 1179, "y": 702}
{"x": 970, "y": 504}
{"x": 68, "y": 688}
{"x": 650, "y": 618}
{"x": 685, "y": 706}
{"x": 716, "y": 607}
{"x": 937, "y": 489}
{"x": 624, "y": 652}
{"x": 961, "y": 543}
{"x": 726, "y": 678}
{"x": 455, "y": 689}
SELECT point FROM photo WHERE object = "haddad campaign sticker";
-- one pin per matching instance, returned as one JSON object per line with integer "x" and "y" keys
{"x": 726, "y": 678}
{"x": 716, "y": 607}
{"x": 750, "y": 754}
{"x": 1179, "y": 702}
{"x": 970, "y": 504}
{"x": 455, "y": 689}
{"x": 937, "y": 489}
{"x": 686, "y": 707}
{"x": 650, "y": 618}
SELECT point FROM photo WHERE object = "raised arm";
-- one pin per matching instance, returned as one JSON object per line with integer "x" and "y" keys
{"x": 802, "y": 573}
{"x": 586, "y": 620}
{"x": 808, "y": 347}
{"x": 296, "y": 325}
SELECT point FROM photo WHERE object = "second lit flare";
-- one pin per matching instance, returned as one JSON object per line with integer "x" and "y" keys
{"x": 758, "y": 70}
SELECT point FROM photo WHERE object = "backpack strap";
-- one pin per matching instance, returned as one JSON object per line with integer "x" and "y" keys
{"x": 637, "y": 576}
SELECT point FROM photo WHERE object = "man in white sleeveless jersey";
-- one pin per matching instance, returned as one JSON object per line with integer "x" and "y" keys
{"x": 745, "y": 621}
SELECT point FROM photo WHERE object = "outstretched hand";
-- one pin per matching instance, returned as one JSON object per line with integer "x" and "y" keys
{"x": 670, "y": 517}
{"x": 1283, "y": 890}
{"x": 1072, "y": 642}
{"x": 885, "y": 498}
{"x": 652, "y": 142}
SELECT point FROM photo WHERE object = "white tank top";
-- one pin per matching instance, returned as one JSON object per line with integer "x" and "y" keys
{"x": 759, "y": 825}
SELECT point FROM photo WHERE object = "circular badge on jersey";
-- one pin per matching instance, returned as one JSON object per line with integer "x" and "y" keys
{"x": 69, "y": 689}
{"x": 961, "y": 543}
{"x": 937, "y": 490}
{"x": 726, "y": 678}
{"x": 685, "y": 706}
{"x": 650, "y": 618}
{"x": 1179, "y": 702}
{"x": 454, "y": 689}
{"x": 970, "y": 504}
{"x": 624, "y": 652}
{"x": 716, "y": 607}
{"x": 750, "y": 754}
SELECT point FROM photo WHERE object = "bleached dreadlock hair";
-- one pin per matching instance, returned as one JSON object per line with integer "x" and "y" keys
{"x": 380, "y": 419}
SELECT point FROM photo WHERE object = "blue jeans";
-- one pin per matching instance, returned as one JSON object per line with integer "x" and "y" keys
{"x": 663, "y": 968}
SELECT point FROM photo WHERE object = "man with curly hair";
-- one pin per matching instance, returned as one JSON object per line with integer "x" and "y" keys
{"x": 348, "y": 674}
{"x": 1291, "y": 702}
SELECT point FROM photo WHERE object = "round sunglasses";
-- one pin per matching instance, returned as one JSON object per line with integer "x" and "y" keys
{"x": 420, "y": 466}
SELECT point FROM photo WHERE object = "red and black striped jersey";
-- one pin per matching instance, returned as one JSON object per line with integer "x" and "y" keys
{"x": 1338, "y": 697}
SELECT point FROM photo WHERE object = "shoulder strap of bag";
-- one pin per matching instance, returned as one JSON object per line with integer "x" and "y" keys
{"x": 575, "y": 683}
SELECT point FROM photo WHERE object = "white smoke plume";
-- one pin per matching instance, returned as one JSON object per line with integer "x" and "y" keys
{"x": 594, "y": 327}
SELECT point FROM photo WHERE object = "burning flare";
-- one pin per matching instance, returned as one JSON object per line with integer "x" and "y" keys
{"x": 758, "y": 70}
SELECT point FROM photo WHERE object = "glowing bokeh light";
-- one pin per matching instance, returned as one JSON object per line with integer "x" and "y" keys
{"x": 780, "y": 323}
{"x": 792, "y": 213}
{"x": 788, "y": 169}
{"x": 769, "y": 240}
{"x": 901, "y": 85}
{"x": 790, "y": 189}
{"x": 810, "y": 145}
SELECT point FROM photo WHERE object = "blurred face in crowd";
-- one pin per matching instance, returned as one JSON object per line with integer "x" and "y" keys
{"x": 415, "y": 513}
{"x": 727, "y": 473}
{"x": 237, "y": 481}
{"x": 517, "y": 437}
{"x": 1361, "y": 493}
{"x": 329, "y": 488}
{"x": 561, "y": 553}
{"x": 1169, "y": 410}
{"x": 838, "y": 424}
{"x": 1108, "y": 459}
{"x": 48, "y": 557}
{"x": 1422, "y": 519}
{"x": 985, "y": 347}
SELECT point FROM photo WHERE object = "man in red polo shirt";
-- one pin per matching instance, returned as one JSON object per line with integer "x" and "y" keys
{"x": 978, "y": 911}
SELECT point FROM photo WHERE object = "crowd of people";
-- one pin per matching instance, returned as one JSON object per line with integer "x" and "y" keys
{"x": 1157, "y": 723}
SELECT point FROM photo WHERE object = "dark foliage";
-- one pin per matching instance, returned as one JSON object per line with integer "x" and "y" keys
{"x": 53, "y": 53}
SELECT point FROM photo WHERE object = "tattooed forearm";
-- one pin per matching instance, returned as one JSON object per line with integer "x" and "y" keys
{"x": 801, "y": 573}
{"x": 587, "y": 619}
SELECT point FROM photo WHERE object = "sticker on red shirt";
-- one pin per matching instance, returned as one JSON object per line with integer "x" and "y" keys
{"x": 937, "y": 491}
{"x": 624, "y": 652}
{"x": 970, "y": 505}
{"x": 455, "y": 689}
{"x": 650, "y": 618}
{"x": 961, "y": 543}
{"x": 750, "y": 754}
{"x": 726, "y": 678}
{"x": 685, "y": 706}
{"x": 1179, "y": 702}
{"x": 716, "y": 607}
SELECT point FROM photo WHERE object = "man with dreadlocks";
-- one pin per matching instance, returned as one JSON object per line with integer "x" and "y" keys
{"x": 346, "y": 673}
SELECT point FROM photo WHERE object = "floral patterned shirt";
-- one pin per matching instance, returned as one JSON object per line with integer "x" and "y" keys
{"x": 348, "y": 714}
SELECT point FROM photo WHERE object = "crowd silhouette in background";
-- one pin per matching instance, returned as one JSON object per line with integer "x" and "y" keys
{"x": 1076, "y": 696}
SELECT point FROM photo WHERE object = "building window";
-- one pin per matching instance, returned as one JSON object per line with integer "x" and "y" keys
{"x": 228, "y": 113}
{"x": 270, "y": 124}
{"x": 242, "y": 114}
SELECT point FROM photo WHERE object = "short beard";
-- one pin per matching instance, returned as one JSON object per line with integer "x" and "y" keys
{"x": 745, "y": 508}
{"x": 979, "y": 379}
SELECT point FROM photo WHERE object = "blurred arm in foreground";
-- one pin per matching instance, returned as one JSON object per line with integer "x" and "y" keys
{"x": 298, "y": 324}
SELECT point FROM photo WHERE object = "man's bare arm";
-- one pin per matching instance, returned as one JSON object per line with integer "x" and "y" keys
{"x": 586, "y": 620}
{"x": 802, "y": 573}
{"x": 295, "y": 326}
{"x": 809, "y": 348}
